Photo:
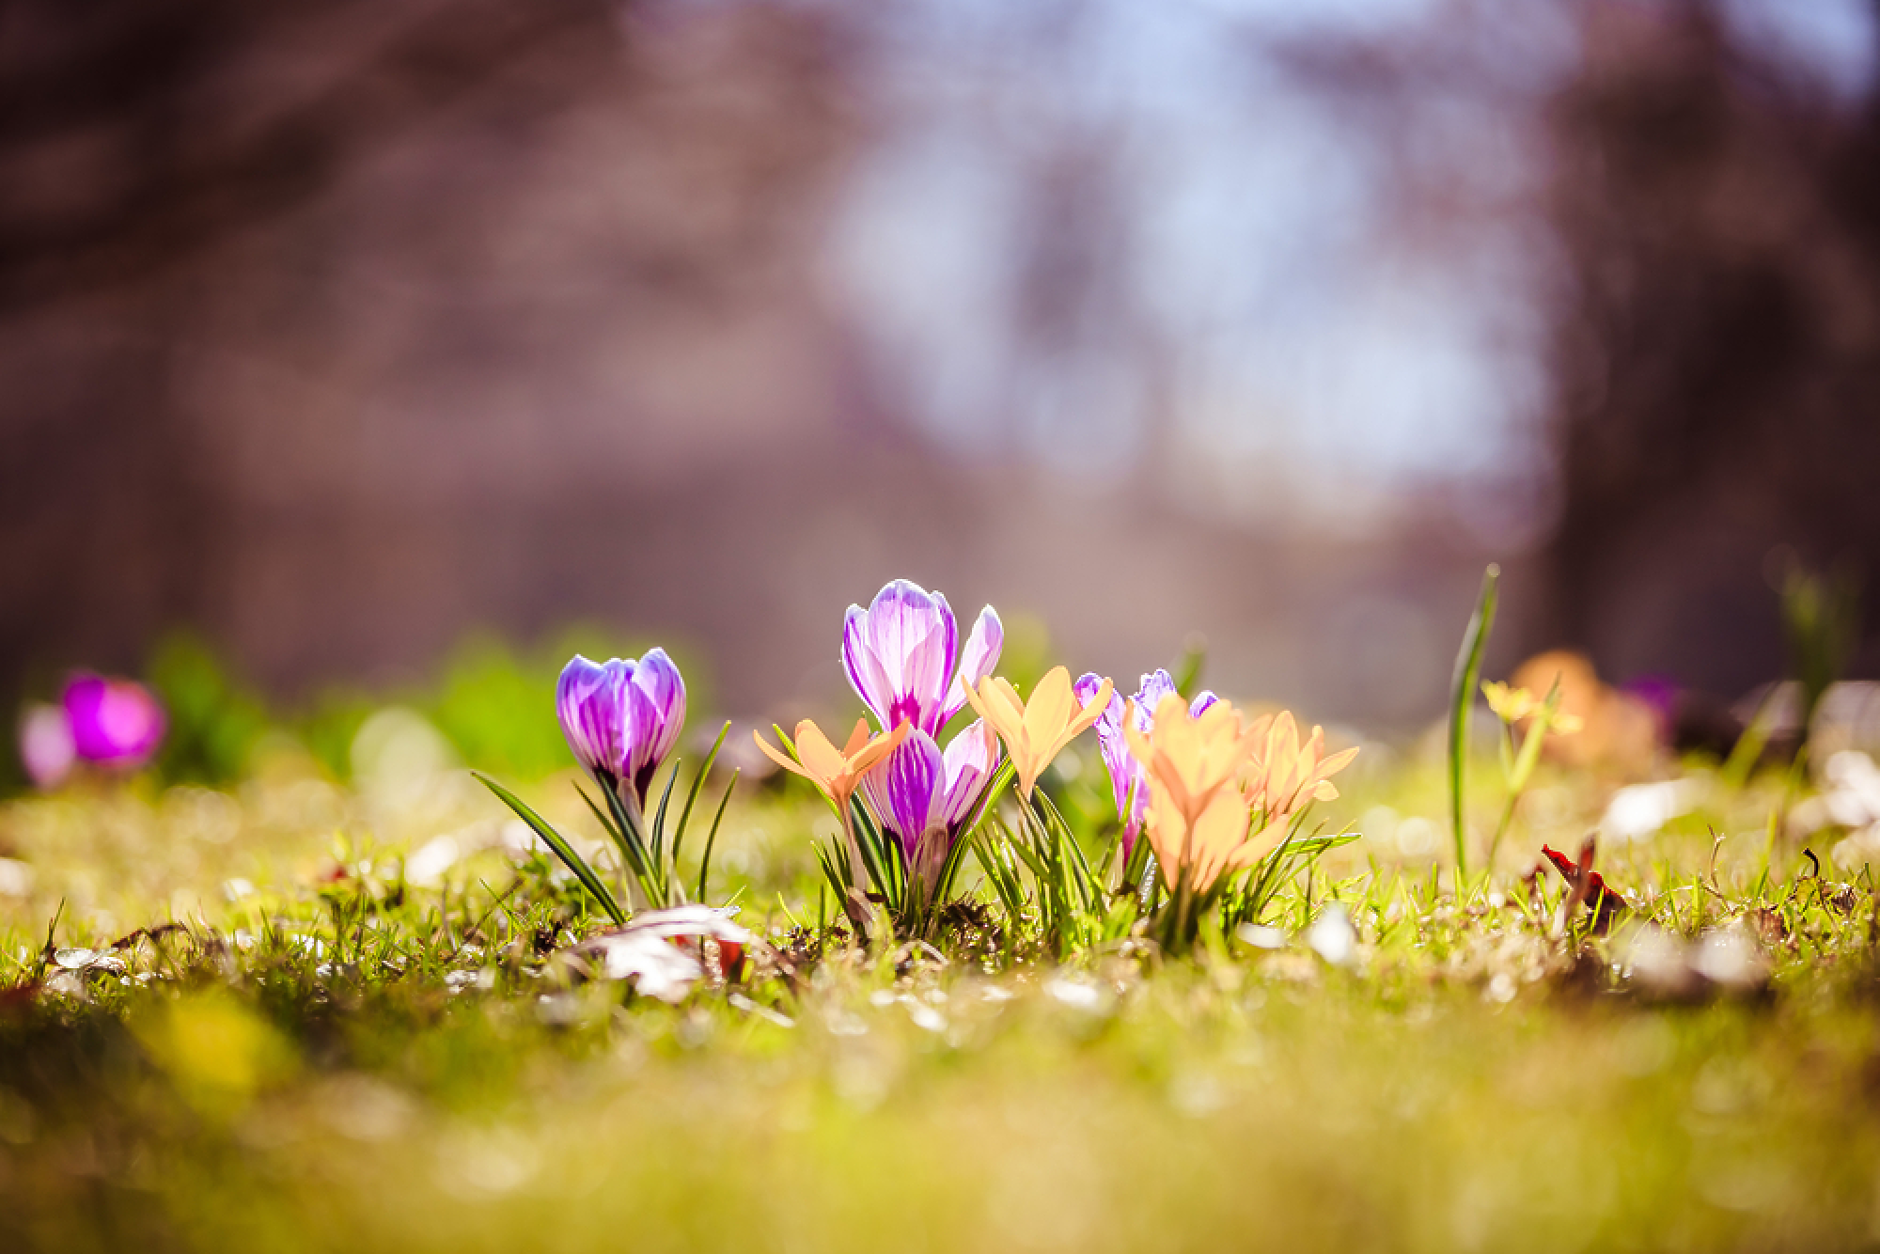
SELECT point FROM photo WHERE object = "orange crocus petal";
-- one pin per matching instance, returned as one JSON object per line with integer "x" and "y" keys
{"x": 1337, "y": 762}
{"x": 778, "y": 756}
{"x": 878, "y": 748}
{"x": 835, "y": 771}
{"x": 821, "y": 760}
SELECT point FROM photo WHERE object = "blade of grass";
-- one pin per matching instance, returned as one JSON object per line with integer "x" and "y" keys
{"x": 711, "y": 837}
{"x": 659, "y": 816}
{"x": 629, "y": 856}
{"x": 1462, "y": 703}
{"x": 563, "y": 850}
{"x": 698, "y": 781}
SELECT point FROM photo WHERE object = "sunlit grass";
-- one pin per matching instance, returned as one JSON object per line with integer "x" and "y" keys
{"x": 328, "y": 1052}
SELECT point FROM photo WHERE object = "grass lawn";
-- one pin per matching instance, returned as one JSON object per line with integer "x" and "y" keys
{"x": 284, "y": 1016}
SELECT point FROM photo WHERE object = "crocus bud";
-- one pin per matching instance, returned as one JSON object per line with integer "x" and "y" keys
{"x": 622, "y": 718}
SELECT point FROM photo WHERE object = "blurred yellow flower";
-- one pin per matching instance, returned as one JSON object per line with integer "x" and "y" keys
{"x": 838, "y": 772}
{"x": 1036, "y": 732}
{"x": 1512, "y": 705}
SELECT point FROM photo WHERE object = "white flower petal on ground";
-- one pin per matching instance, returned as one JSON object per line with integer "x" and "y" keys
{"x": 1640, "y": 810}
{"x": 1332, "y": 936}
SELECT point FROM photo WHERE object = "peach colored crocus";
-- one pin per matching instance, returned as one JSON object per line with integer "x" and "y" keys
{"x": 1036, "y": 731}
{"x": 1289, "y": 774}
{"x": 838, "y": 772}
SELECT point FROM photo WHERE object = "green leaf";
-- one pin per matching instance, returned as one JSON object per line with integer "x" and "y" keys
{"x": 659, "y": 816}
{"x": 711, "y": 837}
{"x": 563, "y": 850}
{"x": 1462, "y": 702}
{"x": 630, "y": 857}
{"x": 698, "y": 781}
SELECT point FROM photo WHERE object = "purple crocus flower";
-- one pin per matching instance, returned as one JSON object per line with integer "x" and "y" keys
{"x": 925, "y": 796}
{"x": 622, "y": 717}
{"x": 1125, "y": 771}
{"x": 899, "y": 655}
{"x": 114, "y": 723}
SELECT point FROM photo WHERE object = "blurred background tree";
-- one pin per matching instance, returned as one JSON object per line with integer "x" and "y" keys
{"x": 334, "y": 332}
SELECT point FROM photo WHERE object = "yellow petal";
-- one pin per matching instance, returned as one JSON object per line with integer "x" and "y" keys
{"x": 1051, "y": 707}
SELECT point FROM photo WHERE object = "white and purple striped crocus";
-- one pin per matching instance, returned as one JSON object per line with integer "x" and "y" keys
{"x": 113, "y": 723}
{"x": 1125, "y": 771}
{"x": 622, "y": 718}
{"x": 900, "y": 652}
{"x": 925, "y": 796}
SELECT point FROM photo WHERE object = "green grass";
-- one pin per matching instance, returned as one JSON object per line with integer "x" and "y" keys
{"x": 327, "y": 1056}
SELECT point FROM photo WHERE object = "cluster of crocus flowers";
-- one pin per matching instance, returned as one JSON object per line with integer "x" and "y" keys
{"x": 902, "y": 655}
{"x": 112, "y": 724}
{"x": 1221, "y": 788}
{"x": 1126, "y": 773}
{"x": 622, "y": 718}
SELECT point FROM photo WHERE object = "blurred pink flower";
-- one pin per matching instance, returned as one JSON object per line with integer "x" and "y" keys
{"x": 114, "y": 723}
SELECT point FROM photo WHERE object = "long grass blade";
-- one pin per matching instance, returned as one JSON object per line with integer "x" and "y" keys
{"x": 563, "y": 850}
{"x": 1462, "y": 703}
{"x": 691, "y": 797}
{"x": 711, "y": 837}
{"x": 659, "y": 816}
{"x": 629, "y": 857}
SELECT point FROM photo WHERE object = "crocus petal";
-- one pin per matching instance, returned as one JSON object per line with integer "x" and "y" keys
{"x": 821, "y": 760}
{"x": 780, "y": 757}
{"x": 1085, "y": 688}
{"x": 660, "y": 680}
{"x": 866, "y": 676}
{"x": 969, "y": 761}
{"x": 983, "y": 647}
{"x": 915, "y": 639}
{"x": 1156, "y": 685}
{"x": 906, "y": 790}
{"x": 1202, "y": 701}
{"x": 589, "y": 702}
{"x": 1051, "y": 708}
{"x": 899, "y": 654}
{"x": 1116, "y": 759}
